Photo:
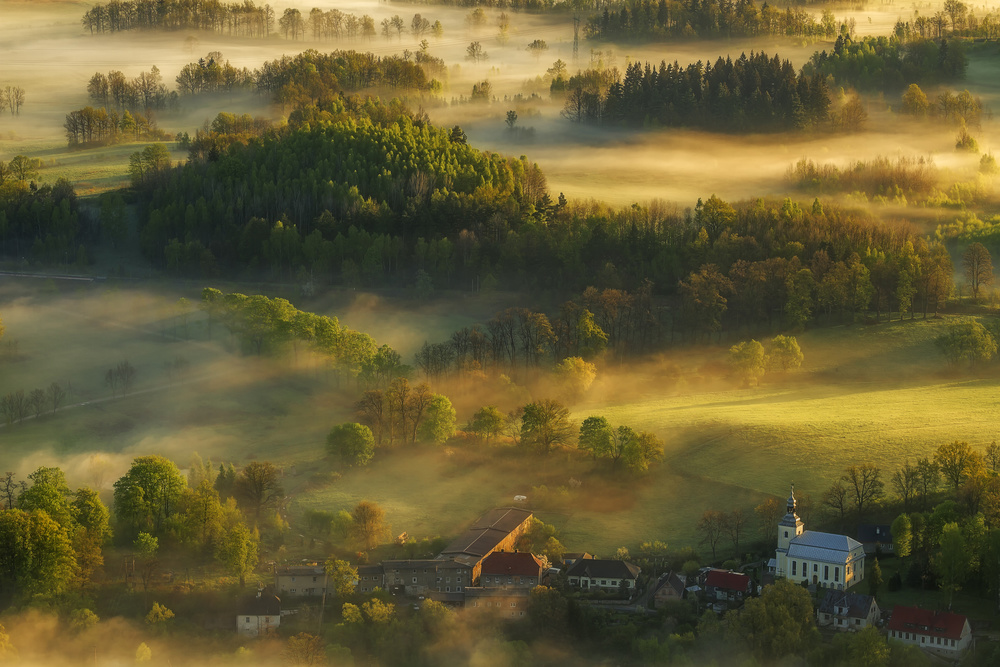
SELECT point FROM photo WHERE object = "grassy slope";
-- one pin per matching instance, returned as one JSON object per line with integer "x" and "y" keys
{"x": 866, "y": 393}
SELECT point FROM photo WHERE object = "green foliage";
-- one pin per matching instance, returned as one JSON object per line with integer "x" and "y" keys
{"x": 147, "y": 495}
{"x": 748, "y": 361}
{"x": 487, "y": 422}
{"x": 755, "y": 93}
{"x": 353, "y": 443}
{"x": 784, "y": 352}
{"x": 238, "y": 551}
{"x": 952, "y": 561}
{"x": 967, "y": 341}
{"x": 341, "y": 577}
{"x": 545, "y": 424}
{"x": 158, "y": 614}
{"x": 50, "y": 494}
{"x": 902, "y": 536}
{"x": 438, "y": 424}
{"x": 575, "y": 376}
{"x": 779, "y": 623}
{"x": 36, "y": 555}
{"x": 622, "y": 445}
{"x": 79, "y": 620}
{"x": 966, "y": 142}
{"x": 988, "y": 164}
{"x": 887, "y": 63}
{"x": 368, "y": 524}
{"x": 149, "y": 164}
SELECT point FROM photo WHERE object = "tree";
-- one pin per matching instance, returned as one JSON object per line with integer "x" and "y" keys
{"x": 852, "y": 116}
{"x": 992, "y": 457}
{"x": 23, "y": 168}
{"x": 475, "y": 52}
{"x": 778, "y": 623}
{"x": 869, "y": 648}
{"x": 906, "y": 482}
{"x": 145, "y": 547}
{"x": 238, "y": 551}
{"x": 958, "y": 461}
{"x": 978, "y": 266}
{"x": 158, "y": 614}
{"x": 836, "y": 498}
{"x": 36, "y": 399}
{"x": 55, "y": 393}
{"x": 785, "y": 353}
{"x": 439, "y": 420}
{"x": 257, "y": 487}
{"x": 353, "y": 443}
{"x": 768, "y": 513}
{"x": 915, "y": 101}
{"x": 748, "y": 361}
{"x": 368, "y": 524}
{"x": 864, "y": 483}
{"x": 952, "y": 562}
{"x": 928, "y": 478}
{"x": 735, "y": 522}
{"x": 712, "y": 527}
{"x": 576, "y": 376}
{"x": 36, "y": 555}
{"x": 487, "y": 422}
{"x": 967, "y": 341}
{"x": 545, "y": 424}
{"x": 511, "y": 119}
{"x": 874, "y": 577}
{"x": 147, "y": 495}
{"x": 537, "y": 48}
{"x": 902, "y": 536}
{"x": 341, "y": 577}
{"x": 620, "y": 445}
{"x": 305, "y": 649}
{"x": 49, "y": 493}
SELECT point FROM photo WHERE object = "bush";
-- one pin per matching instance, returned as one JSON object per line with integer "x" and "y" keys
{"x": 895, "y": 583}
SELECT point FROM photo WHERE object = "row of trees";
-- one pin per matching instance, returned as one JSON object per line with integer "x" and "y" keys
{"x": 755, "y": 92}
{"x": 99, "y": 127}
{"x": 41, "y": 221}
{"x": 889, "y": 63}
{"x": 145, "y": 93}
{"x": 646, "y": 20}
{"x": 16, "y": 406}
{"x": 955, "y": 18}
{"x": 245, "y": 18}
{"x": 11, "y": 99}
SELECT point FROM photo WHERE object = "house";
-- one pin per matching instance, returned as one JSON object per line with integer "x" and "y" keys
{"x": 875, "y": 538}
{"x": 370, "y": 577}
{"x": 612, "y": 575}
{"x": 571, "y": 558}
{"x": 509, "y": 603}
{"x": 670, "y": 587}
{"x": 726, "y": 585}
{"x": 502, "y": 569}
{"x": 497, "y": 530}
{"x": 847, "y": 611}
{"x": 835, "y": 561}
{"x": 938, "y": 630}
{"x": 300, "y": 580}
{"x": 258, "y": 616}
{"x": 419, "y": 577}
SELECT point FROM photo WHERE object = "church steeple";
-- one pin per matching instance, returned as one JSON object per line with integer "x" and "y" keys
{"x": 790, "y": 525}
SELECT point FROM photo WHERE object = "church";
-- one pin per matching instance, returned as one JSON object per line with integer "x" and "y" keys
{"x": 832, "y": 561}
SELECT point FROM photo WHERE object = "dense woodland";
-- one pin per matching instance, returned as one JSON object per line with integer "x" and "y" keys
{"x": 43, "y": 222}
{"x": 888, "y": 63}
{"x": 755, "y": 93}
{"x": 647, "y": 20}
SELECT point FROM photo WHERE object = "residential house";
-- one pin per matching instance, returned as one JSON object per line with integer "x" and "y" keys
{"x": 936, "y": 630}
{"x": 510, "y": 603}
{"x": 835, "y": 561}
{"x": 370, "y": 577}
{"x": 503, "y": 569}
{"x": 609, "y": 575}
{"x": 420, "y": 577}
{"x": 497, "y": 530}
{"x": 300, "y": 580}
{"x": 847, "y": 611}
{"x": 726, "y": 585}
{"x": 258, "y": 616}
{"x": 571, "y": 558}
{"x": 670, "y": 587}
{"x": 875, "y": 538}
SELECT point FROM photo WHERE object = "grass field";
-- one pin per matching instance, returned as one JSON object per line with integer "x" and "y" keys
{"x": 866, "y": 393}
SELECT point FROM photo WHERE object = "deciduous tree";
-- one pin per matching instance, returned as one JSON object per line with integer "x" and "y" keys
{"x": 258, "y": 487}
{"x": 369, "y": 525}
{"x": 958, "y": 461}
{"x": 352, "y": 443}
{"x": 238, "y": 551}
{"x": 978, "y": 266}
{"x": 864, "y": 483}
{"x": 545, "y": 424}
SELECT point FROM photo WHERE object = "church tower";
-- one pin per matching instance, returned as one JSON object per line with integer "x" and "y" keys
{"x": 789, "y": 527}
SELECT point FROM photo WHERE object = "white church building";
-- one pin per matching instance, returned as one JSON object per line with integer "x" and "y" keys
{"x": 832, "y": 561}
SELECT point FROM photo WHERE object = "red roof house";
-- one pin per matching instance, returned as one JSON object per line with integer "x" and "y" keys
{"x": 512, "y": 569}
{"x": 727, "y": 585}
{"x": 938, "y": 630}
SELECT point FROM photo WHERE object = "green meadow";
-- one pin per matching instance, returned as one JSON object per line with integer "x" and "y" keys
{"x": 876, "y": 393}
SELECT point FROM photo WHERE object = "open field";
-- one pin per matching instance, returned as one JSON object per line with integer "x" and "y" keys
{"x": 867, "y": 393}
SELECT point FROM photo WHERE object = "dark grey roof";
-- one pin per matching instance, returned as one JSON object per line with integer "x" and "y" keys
{"x": 370, "y": 569}
{"x": 301, "y": 570}
{"x": 869, "y": 532}
{"x": 604, "y": 569}
{"x": 265, "y": 605}
{"x": 857, "y": 605}
{"x": 487, "y": 532}
{"x": 426, "y": 563}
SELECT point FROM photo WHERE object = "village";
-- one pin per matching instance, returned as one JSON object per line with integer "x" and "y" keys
{"x": 483, "y": 568}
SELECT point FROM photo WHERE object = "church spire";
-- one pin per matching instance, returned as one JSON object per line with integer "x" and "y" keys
{"x": 791, "y": 500}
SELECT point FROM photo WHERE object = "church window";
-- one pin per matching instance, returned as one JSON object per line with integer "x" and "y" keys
{"x": 794, "y": 564}
{"x": 826, "y": 571}
{"x": 786, "y": 533}
{"x": 815, "y": 567}
{"x": 836, "y": 574}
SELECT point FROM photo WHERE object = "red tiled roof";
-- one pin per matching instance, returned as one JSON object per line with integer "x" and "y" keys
{"x": 732, "y": 581}
{"x": 510, "y": 563}
{"x": 926, "y": 622}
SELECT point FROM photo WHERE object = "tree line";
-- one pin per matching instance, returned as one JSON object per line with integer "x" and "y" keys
{"x": 246, "y": 19}
{"x": 649, "y": 20}
{"x": 42, "y": 221}
{"x": 11, "y": 99}
{"x": 16, "y": 406}
{"x": 145, "y": 93}
{"x": 889, "y": 63}
{"x": 955, "y": 18}
{"x": 91, "y": 126}
{"x": 755, "y": 93}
